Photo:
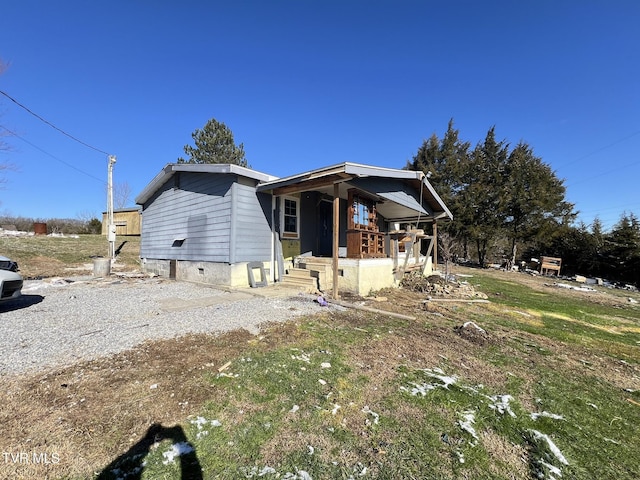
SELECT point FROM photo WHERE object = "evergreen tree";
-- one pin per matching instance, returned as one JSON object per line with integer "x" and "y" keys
{"x": 214, "y": 143}
{"x": 623, "y": 249}
{"x": 481, "y": 203}
{"x": 533, "y": 198}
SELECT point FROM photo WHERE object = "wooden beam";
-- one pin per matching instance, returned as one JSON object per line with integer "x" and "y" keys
{"x": 336, "y": 238}
{"x": 311, "y": 184}
{"x": 435, "y": 245}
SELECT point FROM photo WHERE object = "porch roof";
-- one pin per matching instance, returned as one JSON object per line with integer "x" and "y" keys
{"x": 402, "y": 195}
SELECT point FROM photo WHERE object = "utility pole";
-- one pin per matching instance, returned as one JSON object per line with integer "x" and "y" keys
{"x": 111, "y": 227}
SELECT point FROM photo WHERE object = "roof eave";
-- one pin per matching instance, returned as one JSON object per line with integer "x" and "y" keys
{"x": 224, "y": 168}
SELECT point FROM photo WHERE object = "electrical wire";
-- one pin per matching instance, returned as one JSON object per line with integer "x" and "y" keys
{"x": 602, "y": 174}
{"x": 601, "y": 149}
{"x": 51, "y": 124}
{"x": 52, "y": 156}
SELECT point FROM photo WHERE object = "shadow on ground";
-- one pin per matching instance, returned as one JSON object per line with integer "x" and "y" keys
{"x": 130, "y": 465}
{"x": 24, "y": 301}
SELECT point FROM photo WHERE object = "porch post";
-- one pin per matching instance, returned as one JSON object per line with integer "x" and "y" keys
{"x": 435, "y": 244}
{"x": 336, "y": 238}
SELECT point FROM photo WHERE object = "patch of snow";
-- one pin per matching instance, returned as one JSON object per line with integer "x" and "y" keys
{"x": 437, "y": 373}
{"x": 535, "y": 416}
{"x": 325, "y": 365}
{"x": 299, "y": 475}
{"x": 376, "y": 417}
{"x": 336, "y": 407}
{"x": 552, "y": 468}
{"x": 176, "y": 450}
{"x": 254, "y": 472}
{"x": 359, "y": 470}
{"x": 460, "y": 456}
{"x": 440, "y": 375}
{"x": 419, "y": 389}
{"x": 593, "y": 405}
{"x": 303, "y": 357}
{"x": 201, "y": 422}
{"x": 322, "y": 382}
{"x": 310, "y": 449}
{"x": 474, "y": 325}
{"x": 294, "y": 409}
{"x": 466, "y": 424}
{"x": 552, "y": 446}
{"x": 572, "y": 287}
{"x": 501, "y": 403}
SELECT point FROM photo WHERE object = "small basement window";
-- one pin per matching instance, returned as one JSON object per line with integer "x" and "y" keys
{"x": 177, "y": 242}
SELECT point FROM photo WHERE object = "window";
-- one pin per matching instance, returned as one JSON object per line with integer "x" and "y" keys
{"x": 362, "y": 213}
{"x": 290, "y": 217}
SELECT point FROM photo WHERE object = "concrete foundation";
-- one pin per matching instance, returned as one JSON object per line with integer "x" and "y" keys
{"x": 230, "y": 275}
{"x": 359, "y": 276}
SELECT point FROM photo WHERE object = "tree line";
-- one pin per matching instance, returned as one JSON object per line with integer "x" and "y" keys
{"x": 66, "y": 226}
{"x": 509, "y": 206}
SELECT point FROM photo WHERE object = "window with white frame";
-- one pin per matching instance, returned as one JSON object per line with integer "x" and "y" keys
{"x": 290, "y": 216}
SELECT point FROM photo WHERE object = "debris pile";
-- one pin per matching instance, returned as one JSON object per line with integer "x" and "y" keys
{"x": 473, "y": 333}
{"x": 436, "y": 285}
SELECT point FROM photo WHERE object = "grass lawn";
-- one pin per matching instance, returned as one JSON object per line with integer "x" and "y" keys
{"x": 545, "y": 383}
{"x": 52, "y": 256}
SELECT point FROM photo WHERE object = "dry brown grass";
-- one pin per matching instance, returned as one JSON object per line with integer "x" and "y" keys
{"x": 44, "y": 256}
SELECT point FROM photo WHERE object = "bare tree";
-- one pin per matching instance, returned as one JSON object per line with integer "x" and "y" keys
{"x": 121, "y": 194}
{"x": 4, "y": 146}
{"x": 449, "y": 247}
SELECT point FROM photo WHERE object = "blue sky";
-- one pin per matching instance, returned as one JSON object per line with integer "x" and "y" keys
{"x": 305, "y": 84}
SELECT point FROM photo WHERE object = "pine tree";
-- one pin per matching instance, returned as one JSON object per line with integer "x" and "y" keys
{"x": 214, "y": 143}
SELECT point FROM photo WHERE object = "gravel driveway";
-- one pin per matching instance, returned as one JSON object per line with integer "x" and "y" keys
{"x": 60, "y": 322}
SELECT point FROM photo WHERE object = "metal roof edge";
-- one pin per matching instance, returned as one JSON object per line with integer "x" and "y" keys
{"x": 349, "y": 168}
{"x": 371, "y": 170}
{"x": 445, "y": 210}
{"x": 225, "y": 168}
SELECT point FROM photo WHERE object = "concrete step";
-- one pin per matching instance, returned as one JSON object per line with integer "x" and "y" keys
{"x": 309, "y": 282}
{"x": 298, "y": 273}
{"x": 315, "y": 265}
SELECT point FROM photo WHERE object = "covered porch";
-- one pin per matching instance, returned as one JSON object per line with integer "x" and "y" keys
{"x": 353, "y": 227}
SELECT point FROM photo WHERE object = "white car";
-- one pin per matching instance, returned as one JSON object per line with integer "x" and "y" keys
{"x": 10, "y": 280}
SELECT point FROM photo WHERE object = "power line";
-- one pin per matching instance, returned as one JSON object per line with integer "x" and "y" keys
{"x": 51, "y": 124}
{"x": 52, "y": 156}
{"x": 601, "y": 149}
{"x": 602, "y": 174}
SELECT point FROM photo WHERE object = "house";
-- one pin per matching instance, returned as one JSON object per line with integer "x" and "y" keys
{"x": 126, "y": 220}
{"x": 343, "y": 227}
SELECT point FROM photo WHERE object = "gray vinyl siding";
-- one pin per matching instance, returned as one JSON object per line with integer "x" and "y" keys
{"x": 220, "y": 217}
{"x": 193, "y": 206}
{"x": 251, "y": 231}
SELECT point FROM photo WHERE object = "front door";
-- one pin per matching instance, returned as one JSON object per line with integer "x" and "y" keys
{"x": 325, "y": 229}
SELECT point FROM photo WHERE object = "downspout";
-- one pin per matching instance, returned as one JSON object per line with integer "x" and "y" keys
{"x": 435, "y": 243}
